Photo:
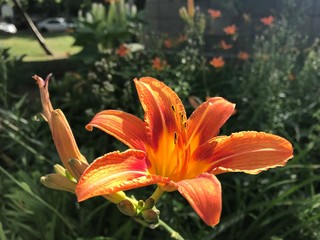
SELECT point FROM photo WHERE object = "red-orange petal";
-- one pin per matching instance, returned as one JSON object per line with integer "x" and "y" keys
{"x": 126, "y": 127}
{"x": 116, "y": 172}
{"x": 204, "y": 195}
{"x": 205, "y": 122}
{"x": 250, "y": 152}
{"x": 164, "y": 110}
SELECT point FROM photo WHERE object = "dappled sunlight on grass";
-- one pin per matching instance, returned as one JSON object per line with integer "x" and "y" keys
{"x": 24, "y": 43}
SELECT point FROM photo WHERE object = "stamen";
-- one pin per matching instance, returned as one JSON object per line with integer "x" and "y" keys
{"x": 175, "y": 138}
{"x": 183, "y": 121}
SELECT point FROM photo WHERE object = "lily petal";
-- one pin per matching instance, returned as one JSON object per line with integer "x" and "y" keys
{"x": 164, "y": 111}
{"x": 205, "y": 122}
{"x": 126, "y": 127}
{"x": 250, "y": 152}
{"x": 64, "y": 140}
{"x": 116, "y": 172}
{"x": 204, "y": 196}
{"x": 200, "y": 160}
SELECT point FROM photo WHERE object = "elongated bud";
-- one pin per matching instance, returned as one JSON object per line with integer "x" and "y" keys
{"x": 116, "y": 197}
{"x": 59, "y": 169}
{"x": 127, "y": 208}
{"x": 77, "y": 167}
{"x": 64, "y": 140}
{"x": 149, "y": 203}
{"x": 191, "y": 8}
{"x": 184, "y": 14}
{"x": 58, "y": 182}
{"x": 61, "y": 132}
{"x": 202, "y": 23}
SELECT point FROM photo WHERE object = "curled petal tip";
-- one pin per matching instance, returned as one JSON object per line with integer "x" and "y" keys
{"x": 48, "y": 76}
{"x": 89, "y": 127}
{"x": 39, "y": 80}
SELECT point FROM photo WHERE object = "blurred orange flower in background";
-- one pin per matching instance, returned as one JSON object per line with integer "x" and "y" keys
{"x": 291, "y": 77}
{"x": 225, "y": 45}
{"x": 167, "y": 43}
{"x": 158, "y": 64}
{"x": 267, "y": 20}
{"x": 214, "y": 13}
{"x": 230, "y": 30}
{"x": 122, "y": 50}
{"x": 182, "y": 38}
{"x": 217, "y": 62}
{"x": 243, "y": 55}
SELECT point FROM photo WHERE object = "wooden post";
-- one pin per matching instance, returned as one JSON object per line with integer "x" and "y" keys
{"x": 34, "y": 29}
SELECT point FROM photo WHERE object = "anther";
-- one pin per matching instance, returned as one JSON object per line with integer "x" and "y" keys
{"x": 175, "y": 138}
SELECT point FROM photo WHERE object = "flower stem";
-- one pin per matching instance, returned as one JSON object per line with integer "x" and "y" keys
{"x": 174, "y": 234}
{"x": 157, "y": 194}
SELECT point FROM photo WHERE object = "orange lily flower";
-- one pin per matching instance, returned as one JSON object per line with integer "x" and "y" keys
{"x": 230, "y": 30}
{"x": 214, "y": 13}
{"x": 217, "y": 62}
{"x": 243, "y": 55}
{"x": 177, "y": 153}
{"x": 267, "y": 20}
{"x": 122, "y": 50}
{"x": 225, "y": 45}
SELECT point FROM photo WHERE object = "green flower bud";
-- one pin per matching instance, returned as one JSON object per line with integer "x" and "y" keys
{"x": 149, "y": 203}
{"x": 151, "y": 215}
{"x": 127, "y": 208}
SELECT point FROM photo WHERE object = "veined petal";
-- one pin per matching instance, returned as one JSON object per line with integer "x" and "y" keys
{"x": 164, "y": 111}
{"x": 115, "y": 172}
{"x": 250, "y": 152}
{"x": 126, "y": 127}
{"x": 204, "y": 195}
{"x": 200, "y": 160}
{"x": 205, "y": 122}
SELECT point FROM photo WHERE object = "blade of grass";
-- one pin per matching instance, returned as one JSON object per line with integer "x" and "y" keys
{"x": 26, "y": 188}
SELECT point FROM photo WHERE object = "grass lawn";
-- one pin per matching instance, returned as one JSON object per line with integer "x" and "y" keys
{"x": 24, "y": 43}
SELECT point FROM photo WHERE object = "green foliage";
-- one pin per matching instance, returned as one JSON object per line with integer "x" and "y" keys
{"x": 100, "y": 29}
{"x": 17, "y": 136}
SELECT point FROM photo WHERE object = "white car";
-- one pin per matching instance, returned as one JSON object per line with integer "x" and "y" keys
{"x": 8, "y": 27}
{"x": 54, "y": 24}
